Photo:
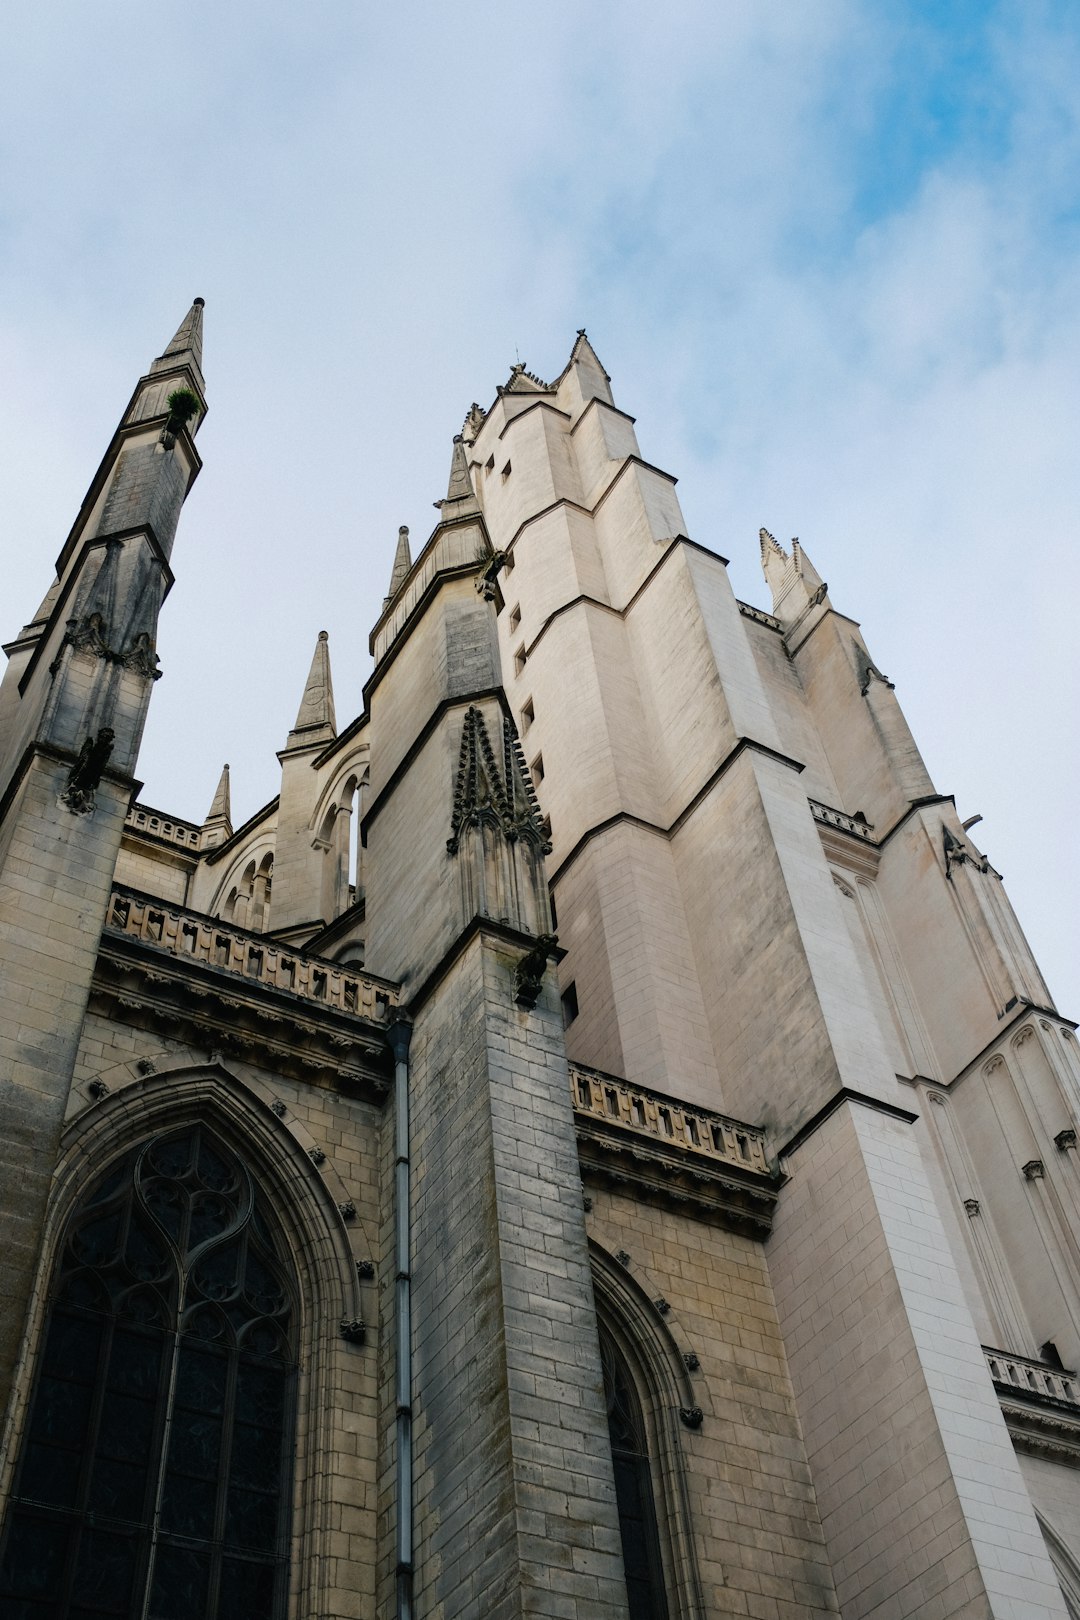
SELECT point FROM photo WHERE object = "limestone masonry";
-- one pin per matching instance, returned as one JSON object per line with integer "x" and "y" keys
{"x": 596, "y": 1145}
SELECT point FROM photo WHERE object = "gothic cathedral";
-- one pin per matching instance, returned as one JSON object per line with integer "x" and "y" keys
{"x": 596, "y": 1145}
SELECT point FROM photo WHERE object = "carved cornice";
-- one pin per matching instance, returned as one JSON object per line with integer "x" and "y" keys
{"x": 1041, "y": 1431}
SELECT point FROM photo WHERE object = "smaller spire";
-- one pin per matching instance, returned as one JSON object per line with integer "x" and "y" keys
{"x": 583, "y": 353}
{"x": 186, "y": 342}
{"x": 218, "y": 824}
{"x": 795, "y": 583}
{"x": 221, "y": 808}
{"x": 315, "y": 719}
{"x": 806, "y": 570}
{"x": 459, "y": 492}
{"x": 769, "y": 544}
{"x": 402, "y": 565}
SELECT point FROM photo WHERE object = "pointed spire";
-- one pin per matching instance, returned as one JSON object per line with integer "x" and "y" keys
{"x": 315, "y": 721}
{"x": 221, "y": 808}
{"x": 186, "y": 343}
{"x": 218, "y": 824}
{"x": 795, "y": 583}
{"x": 807, "y": 572}
{"x": 402, "y": 565}
{"x": 185, "y": 350}
{"x": 769, "y": 546}
{"x": 583, "y": 353}
{"x": 583, "y": 378}
{"x": 459, "y": 493}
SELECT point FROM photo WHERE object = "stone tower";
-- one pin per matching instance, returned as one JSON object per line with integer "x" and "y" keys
{"x": 596, "y": 1144}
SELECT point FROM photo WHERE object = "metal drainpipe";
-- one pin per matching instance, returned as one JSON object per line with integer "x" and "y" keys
{"x": 399, "y": 1038}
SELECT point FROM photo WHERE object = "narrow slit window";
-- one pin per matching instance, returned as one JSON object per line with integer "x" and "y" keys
{"x": 528, "y": 715}
{"x": 515, "y": 618}
{"x": 569, "y": 1006}
{"x": 519, "y": 661}
{"x": 537, "y": 768}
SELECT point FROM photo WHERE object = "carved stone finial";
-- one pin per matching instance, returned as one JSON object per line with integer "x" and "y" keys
{"x": 622, "y": 1257}
{"x": 690, "y": 1361}
{"x": 352, "y": 1330}
{"x": 278, "y": 1107}
{"x": 146, "y": 1066}
{"x": 347, "y": 1211}
{"x": 365, "y": 1269}
{"x": 474, "y": 421}
{"x": 316, "y": 1155}
{"x": 98, "y": 1089}
{"x": 1033, "y": 1170}
{"x": 692, "y": 1416}
{"x": 662, "y": 1306}
{"x": 1065, "y": 1139}
{"x": 496, "y": 793}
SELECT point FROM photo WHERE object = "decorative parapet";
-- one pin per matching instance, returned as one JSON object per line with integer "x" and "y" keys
{"x": 140, "y": 818}
{"x": 189, "y": 976}
{"x": 198, "y": 938}
{"x": 673, "y": 1154}
{"x": 857, "y": 825}
{"x": 1040, "y": 1403}
{"x": 759, "y": 616}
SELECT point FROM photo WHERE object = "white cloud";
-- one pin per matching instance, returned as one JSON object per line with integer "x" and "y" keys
{"x": 878, "y": 351}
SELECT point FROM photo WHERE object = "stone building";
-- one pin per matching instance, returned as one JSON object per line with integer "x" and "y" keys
{"x": 597, "y": 1144}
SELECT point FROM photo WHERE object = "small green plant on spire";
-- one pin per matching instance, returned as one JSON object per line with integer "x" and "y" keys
{"x": 182, "y": 405}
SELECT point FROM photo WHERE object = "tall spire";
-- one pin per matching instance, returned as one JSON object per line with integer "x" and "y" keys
{"x": 315, "y": 721}
{"x": 186, "y": 344}
{"x": 460, "y": 498}
{"x": 402, "y": 565}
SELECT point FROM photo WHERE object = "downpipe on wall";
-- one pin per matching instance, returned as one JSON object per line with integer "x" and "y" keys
{"x": 399, "y": 1037}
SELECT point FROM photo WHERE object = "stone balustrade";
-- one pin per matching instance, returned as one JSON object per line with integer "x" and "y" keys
{"x": 698, "y": 1132}
{"x": 1020, "y": 1375}
{"x": 197, "y": 938}
{"x": 143, "y": 819}
{"x": 758, "y": 614}
{"x": 839, "y": 818}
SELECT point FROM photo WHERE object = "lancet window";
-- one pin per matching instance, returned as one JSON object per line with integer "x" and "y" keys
{"x": 153, "y": 1479}
{"x": 633, "y": 1486}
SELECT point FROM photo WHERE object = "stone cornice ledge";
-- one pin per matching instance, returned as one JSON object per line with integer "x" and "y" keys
{"x": 255, "y": 1023}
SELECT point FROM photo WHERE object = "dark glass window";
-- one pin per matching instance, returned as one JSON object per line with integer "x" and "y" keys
{"x": 153, "y": 1479}
{"x": 633, "y": 1487}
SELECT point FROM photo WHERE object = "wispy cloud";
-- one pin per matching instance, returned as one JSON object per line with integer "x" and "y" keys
{"x": 828, "y": 252}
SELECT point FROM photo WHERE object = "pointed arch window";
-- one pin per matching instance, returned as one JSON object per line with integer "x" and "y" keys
{"x": 153, "y": 1479}
{"x": 633, "y": 1486}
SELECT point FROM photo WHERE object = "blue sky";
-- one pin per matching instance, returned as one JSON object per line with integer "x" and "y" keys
{"x": 828, "y": 252}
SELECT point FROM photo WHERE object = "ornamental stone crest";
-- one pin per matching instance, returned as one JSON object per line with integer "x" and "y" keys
{"x": 494, "y": 792}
